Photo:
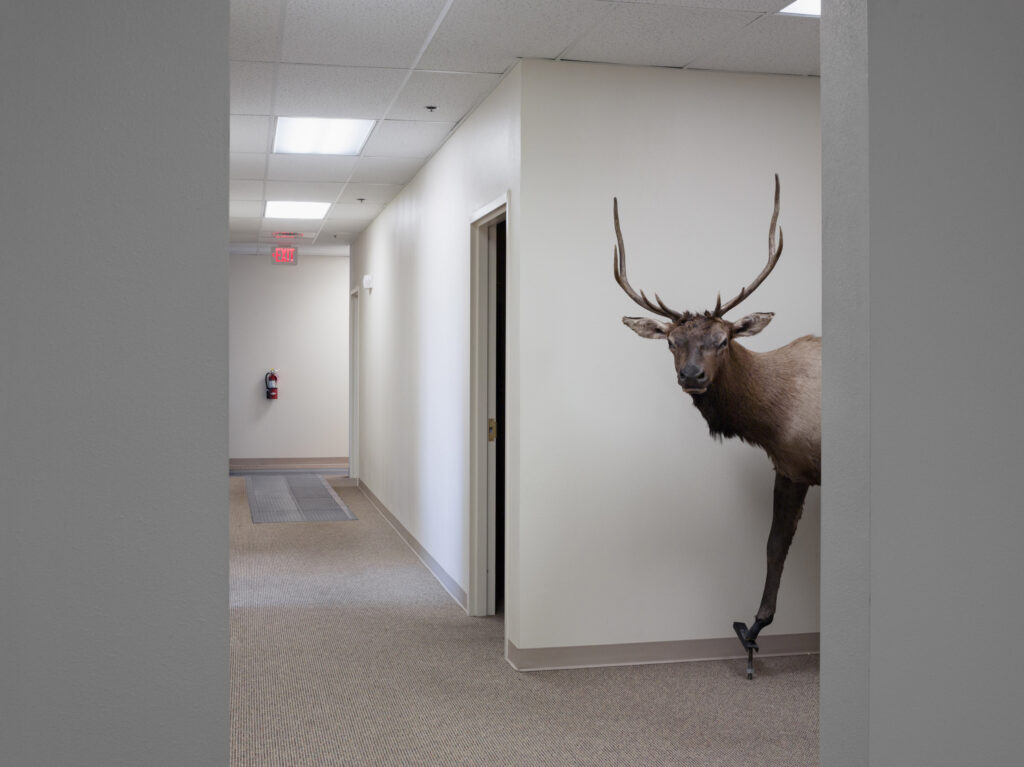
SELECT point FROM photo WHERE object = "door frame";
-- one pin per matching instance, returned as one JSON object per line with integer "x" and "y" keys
{"x": 353, "y": 383}
{"x": 481, "y": 596}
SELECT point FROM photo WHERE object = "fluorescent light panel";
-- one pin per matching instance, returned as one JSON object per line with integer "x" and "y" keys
{"x": 803, "y": 8}
{"x": 316, "y": 135}
{"x": 288, "y": 209}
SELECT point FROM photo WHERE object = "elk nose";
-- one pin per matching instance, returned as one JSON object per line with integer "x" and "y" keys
{"x": 692, "y": 373}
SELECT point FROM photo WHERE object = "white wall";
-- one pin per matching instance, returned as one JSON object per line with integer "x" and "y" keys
{"x": 415, "y": 325}
{"x": 295, "y": 319}
{"x": 634, "y": 525}
{"x": 944, "y": 590}
{"x": 113, "y": 373}
{"x": 626, "y": 521}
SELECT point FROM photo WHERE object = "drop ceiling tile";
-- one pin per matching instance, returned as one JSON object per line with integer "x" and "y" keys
{"x": 373, "y": 193}
{"x": 490, "y": 35}
{"x": 249, "y": 133}
{"x": 268, "y": 243}
{"x": 656, "y": 35}
{"x": 778, "y": 44}
{"x": 247, "y": 165}
{"x": 761, "y": 6}
{"x": 387, "y": 33}
{"x": 246, "y": 209}
{"x": 453, "y": 93}
{"x": 406, "y": 138}
{"x": 256, "y": 29}
{"x": 245, "y": 190}
{"x": 352, "y": 217}
{"x": 310, "y": 167}
{"x": 386, "y": 170}
{"x": 320, "y": 91}
{"x": 308, "y": 227}
{"x": 252, "y": 87}
{"x": 302, "y": 191}
{"x": 328, "y": 236}
{"x": 307, "y": 234}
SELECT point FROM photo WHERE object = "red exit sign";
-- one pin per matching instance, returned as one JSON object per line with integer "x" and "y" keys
{"x": 285, "y": 254}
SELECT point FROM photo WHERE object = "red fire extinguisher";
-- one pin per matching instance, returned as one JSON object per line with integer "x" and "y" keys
{"x": 270, "y": 379}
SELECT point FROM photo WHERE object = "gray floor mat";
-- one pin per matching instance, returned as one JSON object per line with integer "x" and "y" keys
{"x": 294, "y": 498}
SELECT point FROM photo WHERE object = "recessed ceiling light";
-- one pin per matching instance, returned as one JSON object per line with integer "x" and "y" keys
{"x": 315, "y": 135}
{"x": 803, "y": 8}
{"x": 286, "y": 209}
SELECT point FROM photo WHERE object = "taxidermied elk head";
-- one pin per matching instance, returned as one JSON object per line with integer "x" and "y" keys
{"x": 697, "y": 341}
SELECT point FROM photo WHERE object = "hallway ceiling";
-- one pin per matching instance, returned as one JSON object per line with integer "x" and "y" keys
{"x": 388, "y": 60}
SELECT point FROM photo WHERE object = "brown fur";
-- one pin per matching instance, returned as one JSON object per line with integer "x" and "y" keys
{"x": 769, "y": 399}
{"x": 772, "y": 400}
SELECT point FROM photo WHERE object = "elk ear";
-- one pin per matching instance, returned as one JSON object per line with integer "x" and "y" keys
{"x": 646, "y": 327}
{"x": 752, "y": 324}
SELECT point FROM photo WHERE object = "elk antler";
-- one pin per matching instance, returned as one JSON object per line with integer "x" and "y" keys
{"x": 773, "y": 258}
{"x": 620, "y": 276}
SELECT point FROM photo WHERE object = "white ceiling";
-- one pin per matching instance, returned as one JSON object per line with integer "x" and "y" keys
{"x": 388, "y": 60}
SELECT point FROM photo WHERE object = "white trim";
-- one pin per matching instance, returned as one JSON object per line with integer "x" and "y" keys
{"x": 491, "y": 212}
{"x": 354, "y": 308}
{"x": 480, "y": 599}
{"x": 640, "y": 653}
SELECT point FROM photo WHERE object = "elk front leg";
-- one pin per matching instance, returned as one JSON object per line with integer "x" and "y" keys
{"x": 787, "y": 508}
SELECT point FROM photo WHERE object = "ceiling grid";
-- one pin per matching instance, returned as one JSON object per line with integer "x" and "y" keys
{"x": 388, "y": 60}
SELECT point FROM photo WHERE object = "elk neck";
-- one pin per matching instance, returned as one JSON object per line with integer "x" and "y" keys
{"x": 740, "y": 401}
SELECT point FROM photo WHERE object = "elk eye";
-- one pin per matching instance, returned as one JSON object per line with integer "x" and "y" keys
{"x": 722, "y": 343}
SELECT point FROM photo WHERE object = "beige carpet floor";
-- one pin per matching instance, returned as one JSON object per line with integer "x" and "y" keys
{"x": 346, "y": 651}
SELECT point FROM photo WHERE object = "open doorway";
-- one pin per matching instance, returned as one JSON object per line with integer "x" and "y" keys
{"x": 487, "y": 420}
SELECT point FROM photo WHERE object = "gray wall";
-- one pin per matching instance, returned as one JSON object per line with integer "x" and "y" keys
{"x": 936, "y": 295}
{"x": 113, "y": 383}
{"x": 845, "y": 488}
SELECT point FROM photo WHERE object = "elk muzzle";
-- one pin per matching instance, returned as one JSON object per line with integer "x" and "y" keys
{"x": 693, "y": 378}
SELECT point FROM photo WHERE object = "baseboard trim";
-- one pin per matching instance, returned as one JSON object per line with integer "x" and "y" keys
{"x": 447, "y": 582}
{"x": 241, "y": 464}
{"x": 344, "y": 482}
{"x": 586, "y": 656}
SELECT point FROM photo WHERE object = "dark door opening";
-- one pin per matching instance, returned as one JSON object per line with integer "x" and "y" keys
{"x": 499, "y": 391}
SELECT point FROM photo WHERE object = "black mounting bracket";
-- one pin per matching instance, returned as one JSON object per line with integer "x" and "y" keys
{"x": 750, "y": 645}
